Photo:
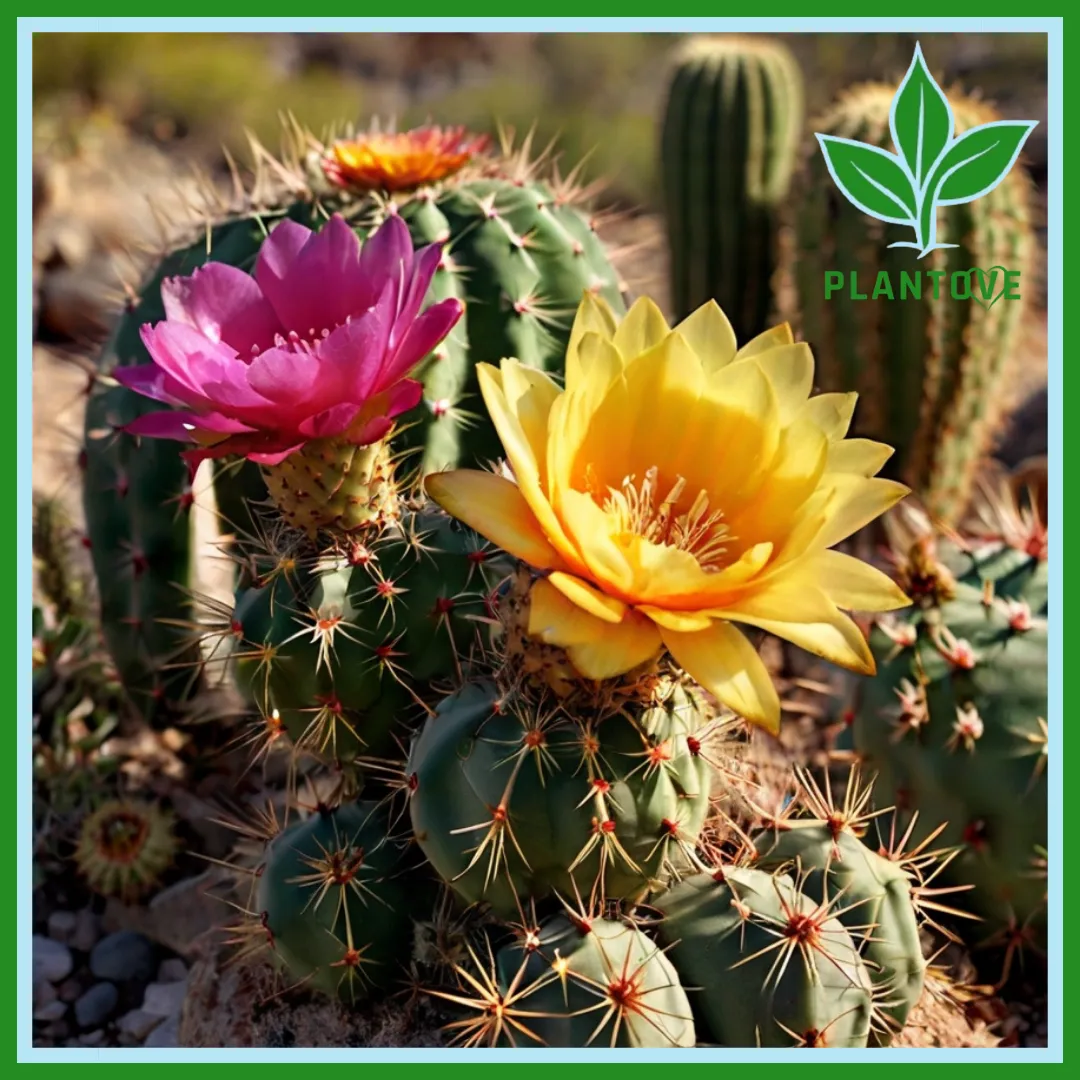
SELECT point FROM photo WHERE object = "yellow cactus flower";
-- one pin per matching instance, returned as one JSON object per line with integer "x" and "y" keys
{"x": 679, "y": 485}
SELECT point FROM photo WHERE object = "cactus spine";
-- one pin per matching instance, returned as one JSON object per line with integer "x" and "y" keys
{"x": 731, "y": 130}
{"x": 931, "y": 370}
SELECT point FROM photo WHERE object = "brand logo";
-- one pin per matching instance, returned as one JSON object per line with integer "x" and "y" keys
{"x": 931, "y": 167}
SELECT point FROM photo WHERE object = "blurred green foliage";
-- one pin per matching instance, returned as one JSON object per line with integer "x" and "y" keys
{"x": 599, "y": 94}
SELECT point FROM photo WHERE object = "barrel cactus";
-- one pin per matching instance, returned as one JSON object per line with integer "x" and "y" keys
{"x": 731, "y": 130}
{"x": 931, "y": 369}
{"x": 955, "y": 722}
{"x": 521, "y": 248}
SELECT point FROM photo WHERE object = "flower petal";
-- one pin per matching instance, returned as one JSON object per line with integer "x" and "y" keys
{"x": 530, "y": 393}
{"x": 598, "y": 649}
{"x": 836, "y": 639}
{"x": 856, "y": 502}
{"x": 728, "y": 666}
{"x": 223, "y": 303}
{"x": 685, "y": 622}
{"x": 641, "y": 329}
{"x": 790, "y": 369}
{"x": 595, "y": 316}
{"x": 832, "y": 413}
{"x": 770, "y": 339}
{"x": 422, "y": 337}
{"x": 861, "y": 456}
{"x": 496, "y": 509}
{"x": 586, "y": 596}
{"x": 708, "y": 332}
{"x": 854, "y": 585}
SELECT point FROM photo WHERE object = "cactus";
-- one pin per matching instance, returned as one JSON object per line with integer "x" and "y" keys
{"x": 336, "y": 654}
{"x": 124, "y": 847}
{"x": 775, "y": 968}
{"x": 509, "y": 800}
{"x": 518, "y": 248}
{"x": 931, "y": 372}
{"x": 954, "y": 723}
{"x": 878, "y": 892}
{"x": 575, "y": 982}
{"x": 335, "y": 901}
{"x": 733, "y": 121}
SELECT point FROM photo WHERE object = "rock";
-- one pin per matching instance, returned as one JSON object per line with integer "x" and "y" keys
{"x": 179, "y": 916}
{"x": 92, "y": 1038}
{"x": 96, "y": 1005}
{"x": 52, "y": 1011}
{"x": 87, "y": 931}
{"x": 57, "y": 1030}
{"x": 165, "y": 999}
{"x": 44, "y": 994}
{"x": 62, "y": 926}
{"x": 124, "y": 956}
{"x": 166, "y": 1034}
{"x": 52, "y": 960}
{"x": 172, "y": 970}
{"x": 138, "y": 1024}
{"x": 72, "y": 989}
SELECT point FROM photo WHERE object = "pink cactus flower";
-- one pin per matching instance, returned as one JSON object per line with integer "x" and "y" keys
{"x": 317, "y": 344}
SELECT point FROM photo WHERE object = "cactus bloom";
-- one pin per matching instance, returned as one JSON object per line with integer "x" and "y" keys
{"x": 316, "y": 344}
{"x": 401, "y": 161}
{"x": 676, "y": 487}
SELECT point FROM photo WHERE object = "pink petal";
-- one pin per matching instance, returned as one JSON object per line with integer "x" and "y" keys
{"x": 424, "y": 265}
{"x": 150, "y": 381}
{"x": 332, "y": 421}
{"x": 189, "y": 357}
{"x": 376, "y": 428}
{"x": 278, "y": 253}
{"x": 422, "y": 337}
{"x": 163, "y": 425}
{"x": 223, "y": 303}
{"x": 262, "y": 449}
{"x": 323, "y": 285}
{"x": 351, "y": 359}
{"x": 283, "y": 376}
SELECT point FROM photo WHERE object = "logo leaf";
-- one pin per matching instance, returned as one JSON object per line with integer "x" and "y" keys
{"x": 921, "y": 120}
{"x": 979, "y": 160}
{"x": 871, "y": 178}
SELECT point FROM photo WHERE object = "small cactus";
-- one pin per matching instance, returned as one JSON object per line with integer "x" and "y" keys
{"x": 731, "y": 129}
{"x": 124, "y": 847}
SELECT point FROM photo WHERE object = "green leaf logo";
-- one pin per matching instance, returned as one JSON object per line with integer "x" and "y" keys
{"x": 930, "y": 168}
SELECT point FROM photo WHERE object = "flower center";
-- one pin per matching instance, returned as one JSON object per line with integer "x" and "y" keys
{"x": 637, "y": 508}
{"x": 293, "y": 342}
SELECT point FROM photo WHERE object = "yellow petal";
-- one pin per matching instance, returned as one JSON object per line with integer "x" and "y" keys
{"x": 856, "y": 502}
{"x": 643, "y": 328}
{"x": 519, "y": 453}
{"x": 593, "y": 316}
{"x": 837, "y": 640}
{"x": 860, "y": 456}
{"x": 589, "y": 528}
{"x": 598, "y": 649}
{"x": 790, "y": 369}
{"x": 618, "y": 650}
{"x": 685, "y": 622}
{"x": 832, "y": 413}
{"x": 854, "y": 585}
{"x": 708, "y": 332}
{"x": 728, "y": 666}
{"x": 588, "y": 597}
{"x": 529, "y": 394}
{"x": 497, "y": 510}
{"x": 770, "y": 339}
{"x": 791, "y": 597}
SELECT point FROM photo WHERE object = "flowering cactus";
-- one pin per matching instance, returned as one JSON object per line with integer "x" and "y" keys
{"x": 679, "y": 485}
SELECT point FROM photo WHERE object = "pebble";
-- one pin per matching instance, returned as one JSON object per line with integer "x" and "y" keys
{"x": 87, "y": 931}
{"x": 53, "y": 1011}
{"x": 96, "y": 1005}
{"x": 138, "y": 1023}
{"x": 124, "y": 956}
{"x": 52, "y": 961}
{"x": 44, "y": 994}
{"x": 172, "y": 970}
{"x": 92, "y": 1038}
{"x": 72, "y": 989}
{"x": 62, "y": 926}
{"x": 166, "y": 1034}
{"x": 57, "y": 1030}
{"x": 165, "y": 999}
